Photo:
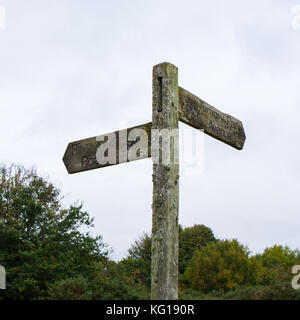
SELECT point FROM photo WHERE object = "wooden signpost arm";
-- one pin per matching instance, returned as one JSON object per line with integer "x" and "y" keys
{"x": 198, "y": 114}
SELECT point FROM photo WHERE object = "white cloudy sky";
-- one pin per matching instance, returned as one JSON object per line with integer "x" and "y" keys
{"x": 71, "y": 69}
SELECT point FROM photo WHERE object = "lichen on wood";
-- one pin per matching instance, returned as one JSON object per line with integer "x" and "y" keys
{"x": 164, "y": 267}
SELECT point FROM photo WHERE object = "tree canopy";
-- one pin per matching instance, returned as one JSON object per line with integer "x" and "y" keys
{"x": 49, "y": 253}
{"x": 222, "y": 265}
{"x": 41, "y": 242}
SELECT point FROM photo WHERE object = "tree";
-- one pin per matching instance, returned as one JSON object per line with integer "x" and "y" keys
{"x": 41, "y": 242}
{"x": 277, "y": 262}
{"x": 70, "y": 289}
{"x": 110, "y": 281}
{"x": 279, "y": 255}
{"x": 138, "y": 262}
{"x": 192, "y": 239}
{"x": 222, "y": 265}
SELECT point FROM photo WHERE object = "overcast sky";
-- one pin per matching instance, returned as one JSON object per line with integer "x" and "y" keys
{"x": 72, "y": 69}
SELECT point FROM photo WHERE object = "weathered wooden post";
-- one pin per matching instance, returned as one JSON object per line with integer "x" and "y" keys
{"x": 2, "y": 277}
{"x": 170, "y": 103}
{"x": 164, "y": 265}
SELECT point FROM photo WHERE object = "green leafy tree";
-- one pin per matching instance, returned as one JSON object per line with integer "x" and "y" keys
{"x": 70, "y": 289}
{"x": 279, "y": 255}
{"x": 279, "y": 289}
{"x": 41, "y": 242}
{"x": 110, "y": 281}
{"x": 277, "y": 262}
{"x": 138, "y": 262}
{"x": 192, "y": 239}
{"x": 222, "y": 266}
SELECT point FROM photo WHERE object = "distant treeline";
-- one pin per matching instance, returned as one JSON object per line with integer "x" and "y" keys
{"x": 47, "y": 256}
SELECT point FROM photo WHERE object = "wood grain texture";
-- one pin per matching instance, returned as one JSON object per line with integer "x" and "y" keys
{"x": 81, "y": 155}
{"x": 200, "y": 115}
{"x": 164, "y": 263}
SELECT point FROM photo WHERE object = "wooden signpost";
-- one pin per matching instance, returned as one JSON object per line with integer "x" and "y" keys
{"x": 170, "y": 103}
{"x": 2, "y": 278}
